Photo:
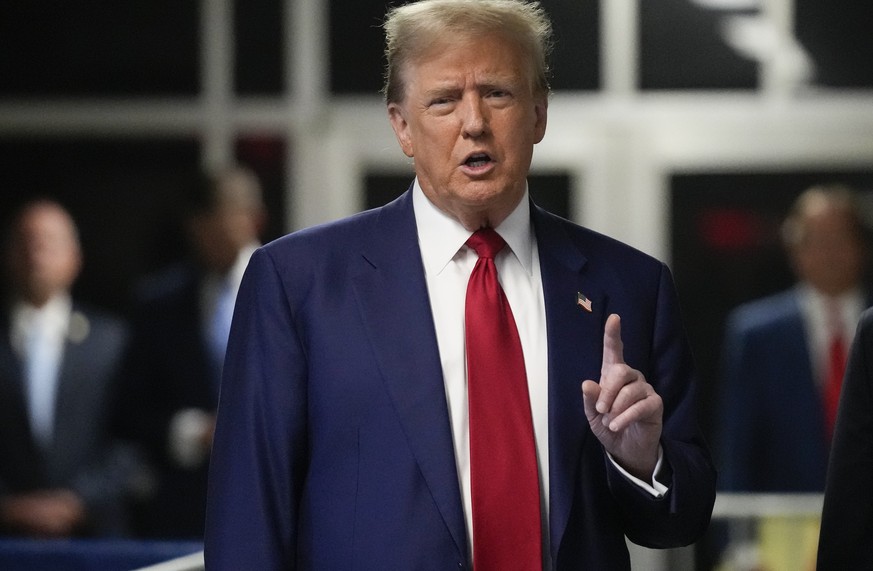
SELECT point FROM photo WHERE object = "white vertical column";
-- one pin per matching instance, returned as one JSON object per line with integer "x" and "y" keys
{"x": 216, "y": 78}
{"x": 775, "y": 67}
{"x": 307, "y": 87}
{"x": 307, "y": 61}
{"x": 619, "y": 41}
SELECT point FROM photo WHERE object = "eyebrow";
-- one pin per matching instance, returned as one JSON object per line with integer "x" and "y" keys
{"x": 489, "y": 82}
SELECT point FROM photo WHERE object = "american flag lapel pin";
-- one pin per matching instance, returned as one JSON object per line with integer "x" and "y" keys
{"x": 583, "y": 301}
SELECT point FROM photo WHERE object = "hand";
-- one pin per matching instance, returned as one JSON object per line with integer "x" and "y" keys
{"x": 45, "y": 513}
{"x": 208, "y": 433}
{"x": 623, "y": 410}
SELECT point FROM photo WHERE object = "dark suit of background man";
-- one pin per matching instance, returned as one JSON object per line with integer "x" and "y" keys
{"x": 180, "y": 332}
{"x": 847, "y": 517}
{"x": 61, "y": 474}
{"x": 774, "y": 419}
{"x": 342, "y": 437}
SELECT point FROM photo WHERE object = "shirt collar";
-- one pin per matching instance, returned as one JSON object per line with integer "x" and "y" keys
{"x": 242, "y": 261}
{"x": 815, "y": 303}
{"x": 55, "y": 315}
{"x": 851, "y": 297}
{"x": 232, "y": 279}
{"x": 56, "y": 310}
{"x": 440, "y": 236}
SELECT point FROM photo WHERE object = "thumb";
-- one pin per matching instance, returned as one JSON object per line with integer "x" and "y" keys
{"x": 590, "y": 394}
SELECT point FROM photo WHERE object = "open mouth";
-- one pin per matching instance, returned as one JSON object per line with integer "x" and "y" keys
{"x": 478, "y": 160}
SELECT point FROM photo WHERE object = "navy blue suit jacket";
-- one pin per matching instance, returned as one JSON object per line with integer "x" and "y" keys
{"x": 334, "y": 450}
{"x": 168, "y": 370}
{"x": 772, "y": 429}
{"x": 84, "y": 455}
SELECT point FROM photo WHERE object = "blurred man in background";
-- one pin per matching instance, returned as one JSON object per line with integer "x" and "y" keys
{"x": 784, "y": 355}
{"x": 61, "y": 474}
{"x": 784, "y": 358}
{"x": 174, "y": 367}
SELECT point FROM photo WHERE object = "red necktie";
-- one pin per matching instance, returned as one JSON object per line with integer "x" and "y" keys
{"x": 504, "y": 478}
{"x": 836, "y": 369}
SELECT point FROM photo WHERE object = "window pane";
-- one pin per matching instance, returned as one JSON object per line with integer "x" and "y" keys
{"x": 681, "y": 47}
{"x": 838, "y": 38}
{"x": 83, "y": 48}
{"x": 259, "y": 47}
{"x": 356, "y": 44}
{"x": 576, "y": 56}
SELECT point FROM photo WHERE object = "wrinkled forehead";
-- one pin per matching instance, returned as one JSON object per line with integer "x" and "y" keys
{"x": 472, "y": 40}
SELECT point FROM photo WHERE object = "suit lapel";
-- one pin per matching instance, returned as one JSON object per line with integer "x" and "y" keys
{"x": 575, "y": 347}
{"x": 11, "y": 367}
{"x": 392, "y": 295}
{"x": 13, "y": 392}
{"x": 15, "y": 421}
{"x": 72, "y": 389}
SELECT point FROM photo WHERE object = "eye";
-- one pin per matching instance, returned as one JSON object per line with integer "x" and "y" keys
{"x": 498, "y": 97}
{"x": 441, "y": 104}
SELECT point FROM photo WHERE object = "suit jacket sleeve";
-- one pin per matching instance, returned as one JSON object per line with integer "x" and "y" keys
{"x": 262, "y": 412}
{"x": 684, "y": 513}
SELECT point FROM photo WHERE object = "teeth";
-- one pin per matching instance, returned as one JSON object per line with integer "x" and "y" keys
{"x": 478, "y": 160}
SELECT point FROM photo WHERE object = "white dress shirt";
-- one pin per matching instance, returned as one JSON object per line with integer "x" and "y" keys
{"x": 38, "y": 336}
{"x": 448, "y": 263}
{"x": 815, "y": 307}
{"x": 186, "y": 444}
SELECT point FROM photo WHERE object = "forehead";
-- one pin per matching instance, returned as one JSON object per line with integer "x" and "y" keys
{"x": 456, "y": 54}
{"x": 45, "y": 220}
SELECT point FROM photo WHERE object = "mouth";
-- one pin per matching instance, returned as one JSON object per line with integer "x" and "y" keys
{"x": 478, "y": 160}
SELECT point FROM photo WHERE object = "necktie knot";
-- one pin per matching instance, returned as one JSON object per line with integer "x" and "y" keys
{"x": 486, "y": 242}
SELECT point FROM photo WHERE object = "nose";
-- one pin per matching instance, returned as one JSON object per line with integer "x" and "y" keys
{"x": 474, "y": 116}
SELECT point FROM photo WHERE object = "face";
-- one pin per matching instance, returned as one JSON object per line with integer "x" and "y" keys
{"x": 220, "y": 233}
{"x": 830, "y": 254}
{"x": 470, "y": 120}
{"x": 44, "y": 254}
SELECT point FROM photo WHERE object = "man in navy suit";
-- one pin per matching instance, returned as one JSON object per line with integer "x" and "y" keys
{"x": 343, "y": 428}
{"x": 173, "y": 367}
{"x": 61, "y": 472}
{"x": 778, "y": 349}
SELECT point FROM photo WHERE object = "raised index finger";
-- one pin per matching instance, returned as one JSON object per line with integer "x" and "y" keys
{"x": 613, "y": 354}
{"x": 613, "y": 348}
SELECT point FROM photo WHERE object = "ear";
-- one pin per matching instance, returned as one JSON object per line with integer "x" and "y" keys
{"x": 401, "y": 128}
{"x": 541, "y": 107}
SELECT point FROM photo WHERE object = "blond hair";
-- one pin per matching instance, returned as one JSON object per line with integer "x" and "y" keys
{"x": 412, "y": 29}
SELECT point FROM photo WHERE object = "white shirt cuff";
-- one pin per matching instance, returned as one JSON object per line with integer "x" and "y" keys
{"x": 656, "y": 488}
{"x": 186, "y": 437}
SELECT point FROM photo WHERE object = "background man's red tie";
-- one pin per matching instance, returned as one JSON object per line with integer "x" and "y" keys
{"x": 504, "y": 479}
{"x": 836, "y": 368}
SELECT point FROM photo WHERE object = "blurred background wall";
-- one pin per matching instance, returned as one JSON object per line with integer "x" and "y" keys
{"x": 684, "y": 127}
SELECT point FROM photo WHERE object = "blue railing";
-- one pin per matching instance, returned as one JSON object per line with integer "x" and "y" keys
{"x": 89, "y": 555}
